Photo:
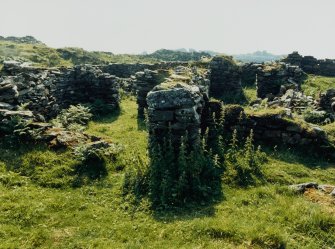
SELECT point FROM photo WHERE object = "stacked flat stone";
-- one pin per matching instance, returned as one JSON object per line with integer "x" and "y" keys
{"x": 327, "y": 100}
{"x": 248, "y": 73}
{"x": 46, "y": 92}
{"x": 176, "y": 107}
{"x": 145, "y": 82}
{"x": 225, "y": 78}
{"x": 309, "y": 64}
{"x": 271, "y": 77}
{"x": 86, "y": 84}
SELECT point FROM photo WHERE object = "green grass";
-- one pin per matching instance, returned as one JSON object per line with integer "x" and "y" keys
{"x": 314, "y": 84}
{"x": 96, "y": 215}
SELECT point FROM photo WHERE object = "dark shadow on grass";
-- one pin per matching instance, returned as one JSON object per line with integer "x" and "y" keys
{"x": 188, "y": 212}
{"x": 90, "y": 169}
{"x": 109, "y": 118}
{"x": 307, "y": 158}
{"x": 239, "y": 98}
{"x": 141, "y": 124}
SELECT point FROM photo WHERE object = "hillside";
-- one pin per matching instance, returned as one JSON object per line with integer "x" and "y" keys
{"x": 258, "y": 56}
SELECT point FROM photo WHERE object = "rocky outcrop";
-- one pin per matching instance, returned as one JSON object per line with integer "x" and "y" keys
{"x": 225, "y": 77}
{"x": 271, "y": 77}
{"x": 175, "y": 108}
{"x": 312, "y": 65}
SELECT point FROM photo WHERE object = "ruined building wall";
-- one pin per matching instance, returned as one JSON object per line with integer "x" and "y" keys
{"x": 175, "y": 106}
{"x": 270, "y": 78}
{"x": 312, "y": 65}
{"x": 225, "y": 77}
{"x": 46, "y": 92}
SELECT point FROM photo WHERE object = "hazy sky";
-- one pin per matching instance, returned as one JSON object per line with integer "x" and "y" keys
{"x": 133, "y": 26}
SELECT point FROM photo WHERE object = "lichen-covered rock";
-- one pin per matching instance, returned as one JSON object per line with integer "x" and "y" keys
{"x": 175, "y": 107}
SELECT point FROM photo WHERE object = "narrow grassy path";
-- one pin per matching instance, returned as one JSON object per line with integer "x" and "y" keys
{"x": 123, "y": 128}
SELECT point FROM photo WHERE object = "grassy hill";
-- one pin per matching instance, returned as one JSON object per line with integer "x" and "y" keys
{"x": 31, "y": 50}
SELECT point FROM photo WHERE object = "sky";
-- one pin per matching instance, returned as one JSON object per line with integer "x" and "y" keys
{"x": 134, "y": 26}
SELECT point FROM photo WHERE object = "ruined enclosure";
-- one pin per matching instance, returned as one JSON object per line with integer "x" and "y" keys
{"x": 46, "y": 92}
{"x": 310, "y": 64}
{"x": 225, "y": 77}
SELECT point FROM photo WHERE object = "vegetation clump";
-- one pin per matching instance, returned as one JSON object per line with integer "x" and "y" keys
{"x": 74, "y": 118}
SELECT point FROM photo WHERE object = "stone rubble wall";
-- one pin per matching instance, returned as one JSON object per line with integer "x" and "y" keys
{"x": 175, "y": 107}
{"x": 312, "y": 65}
{"x": 145, "y": 82}
{"x": 46, "y": 92}
{"x": 272, "y": 129}
{"x": 126, "y": 70}
{"x": 225, "y": 77}
{"x": 327, "y": 101}
{"x": 271, "y": 78}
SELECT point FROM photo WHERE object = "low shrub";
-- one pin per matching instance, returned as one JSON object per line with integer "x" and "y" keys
{"x": 75, "y": 117}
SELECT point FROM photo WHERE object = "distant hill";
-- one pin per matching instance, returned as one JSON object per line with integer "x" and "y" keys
{"x": 31, "y": 50}
{"x": 177, "y": 55}
{"x": 26, "y": 39}
{"x": 259, "y": 56}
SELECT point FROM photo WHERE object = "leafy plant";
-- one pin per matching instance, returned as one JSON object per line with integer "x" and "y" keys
{"x": 75, "y": 117}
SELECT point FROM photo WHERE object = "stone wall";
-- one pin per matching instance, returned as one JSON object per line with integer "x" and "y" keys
{"x": 312, "y": 65}
{"x": 225, "y": 77}
{"x": 271, "y": 77}
{"x": 248, "y": 73}
{"x": 46, "y": 92}
{"x": 270, "y": 128}
{"x": 145, "y": 82}
{"x": 125, "y": 70}
{"x": 175, "y": 107}
{"x": 327, "y": 100}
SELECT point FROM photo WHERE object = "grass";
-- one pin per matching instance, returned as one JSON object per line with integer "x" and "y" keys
{"x": 314, "y": 84}
{"x": 96, "y": 215}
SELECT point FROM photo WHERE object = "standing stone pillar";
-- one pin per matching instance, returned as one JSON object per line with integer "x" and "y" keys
{"x": 145, "y": 81}
{"x": 225, "y": 77}
{"x": 175, "y": 108}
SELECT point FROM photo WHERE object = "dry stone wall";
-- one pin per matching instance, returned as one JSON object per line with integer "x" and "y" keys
{"x": 271, "y": 77}
{"x": 145, "y": 82}
{"x": 271, "y": 129}
{"x": 225, "y": 77}
{"x": 175, "y": 108}
{"x": 46, "y": 92}
{"x": 312, "y": 65}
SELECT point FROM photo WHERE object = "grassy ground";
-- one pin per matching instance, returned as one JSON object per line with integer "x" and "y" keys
{"x": 96, "y": 215}
{"x": 314, "y": 84}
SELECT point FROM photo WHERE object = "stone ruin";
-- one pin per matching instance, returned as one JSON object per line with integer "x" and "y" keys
{"x": 145, "y": 82}
{"x": 45, "y": 92}
{"x": 179, "y": 108}
{"x": 327, "y": 100}
{"x": 312, "y": 65}
{"x": 225, "y": 77}
{"x": 175, "y": 107}
{"x": 271, "y": 78}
